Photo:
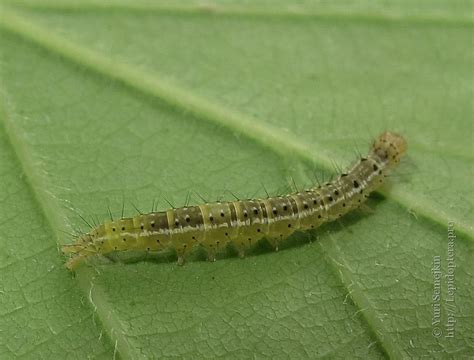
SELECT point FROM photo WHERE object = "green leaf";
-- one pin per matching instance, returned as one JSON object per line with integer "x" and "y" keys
{"x": 119, "y": 102}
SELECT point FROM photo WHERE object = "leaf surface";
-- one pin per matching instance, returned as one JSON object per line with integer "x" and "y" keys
{"x": 112, "y": 103}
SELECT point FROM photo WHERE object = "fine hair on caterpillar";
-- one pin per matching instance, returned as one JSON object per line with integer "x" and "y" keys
{"x": 242, "y": 223}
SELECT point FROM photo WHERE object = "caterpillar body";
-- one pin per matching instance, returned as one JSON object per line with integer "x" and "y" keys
{"x": 243, "y": 223}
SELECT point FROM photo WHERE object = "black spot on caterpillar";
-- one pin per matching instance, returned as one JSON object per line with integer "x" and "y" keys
{"x": 243, "y": 223}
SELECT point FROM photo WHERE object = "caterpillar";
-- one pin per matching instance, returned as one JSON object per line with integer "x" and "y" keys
{"x": 243, "y": 223}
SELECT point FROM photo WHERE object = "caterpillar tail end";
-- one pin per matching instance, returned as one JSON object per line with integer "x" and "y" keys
{"x": 78, "y": 255}
{"x": 74, "y": 262}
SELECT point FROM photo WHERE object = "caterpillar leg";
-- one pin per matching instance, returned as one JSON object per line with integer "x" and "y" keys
{"x": 182, "y": 251}
{"x": 367, "y": 209}
{"x": 212, "y": 249}
{"x": 244, "y": 246}
{"x": 211, "y": 256}
{"x": 275, "y": 242}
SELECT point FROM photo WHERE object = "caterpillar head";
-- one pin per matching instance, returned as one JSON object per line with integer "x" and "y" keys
{"x": 389, "y": 147}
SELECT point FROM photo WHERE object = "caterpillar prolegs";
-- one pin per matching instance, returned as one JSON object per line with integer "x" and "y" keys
{"x": 243, "y": 223}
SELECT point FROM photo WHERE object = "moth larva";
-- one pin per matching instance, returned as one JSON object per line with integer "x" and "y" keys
{"x": 243, "y": 223}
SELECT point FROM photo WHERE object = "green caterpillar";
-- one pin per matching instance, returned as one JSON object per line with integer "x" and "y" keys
{"x": 243, "y": 223}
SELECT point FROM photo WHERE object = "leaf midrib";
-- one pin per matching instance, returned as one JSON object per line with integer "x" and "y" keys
{"x": 179, "y": 98}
